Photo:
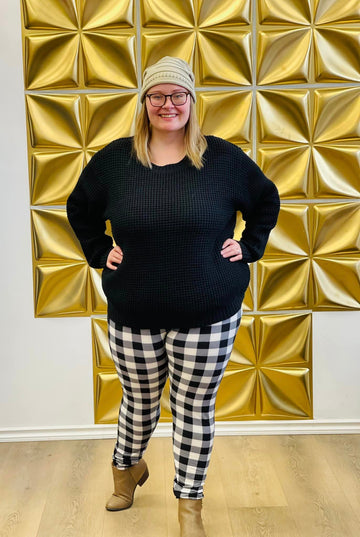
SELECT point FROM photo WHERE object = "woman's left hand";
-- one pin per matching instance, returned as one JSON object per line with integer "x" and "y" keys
{"x": 231, "y": 248}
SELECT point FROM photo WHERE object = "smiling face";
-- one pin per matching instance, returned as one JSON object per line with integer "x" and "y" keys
{"x": 168, "y": 117}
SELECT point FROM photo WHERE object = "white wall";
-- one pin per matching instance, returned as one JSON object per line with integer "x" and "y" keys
{"x": 46, "y": 365}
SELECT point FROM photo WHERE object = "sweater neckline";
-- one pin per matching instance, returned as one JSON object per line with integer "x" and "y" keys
{"x": 166, "y": 168}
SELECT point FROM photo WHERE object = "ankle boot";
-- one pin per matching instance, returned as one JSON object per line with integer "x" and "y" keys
{"x": 190, "y": 518}
{"x": 125, "y": 482}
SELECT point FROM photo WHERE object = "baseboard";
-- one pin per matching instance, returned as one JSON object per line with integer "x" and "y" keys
{"x": 223, "y": 428}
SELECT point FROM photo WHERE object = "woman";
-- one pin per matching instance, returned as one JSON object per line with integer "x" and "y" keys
{"x": 175, "y": 279}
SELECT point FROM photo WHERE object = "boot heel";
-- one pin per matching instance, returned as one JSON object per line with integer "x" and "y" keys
{"x": 144, "y": 477}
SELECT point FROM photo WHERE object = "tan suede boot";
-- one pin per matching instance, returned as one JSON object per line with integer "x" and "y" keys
{"x": 190, "y": 518}
{"x": 125, "y": 482}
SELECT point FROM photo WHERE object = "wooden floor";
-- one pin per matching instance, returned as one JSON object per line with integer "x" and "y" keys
{"x": 257, "y": 486}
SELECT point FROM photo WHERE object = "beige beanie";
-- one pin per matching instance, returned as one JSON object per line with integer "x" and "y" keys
{"x": 168, "y": 70}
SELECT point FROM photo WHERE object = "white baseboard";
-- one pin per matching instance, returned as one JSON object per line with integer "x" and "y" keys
{"x": 223, "y": 428}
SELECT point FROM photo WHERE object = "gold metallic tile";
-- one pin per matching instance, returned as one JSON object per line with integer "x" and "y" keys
{"x": 53, "y": 238}
{"x": 336, "y": 229}
{"x": 248, "y": 302}
{"x": 98, "y": 300}
{"x": 283, "y": 116}
{"x": 283, "y": 283}
{"x": 280, "y": 12}
{"x": 336, "y": 114}
{"x": 337, "y": 11}
{"x": 53, "y": 176}
{"x": 285, "y": 340}
{"x": 336, "y": 283}
{"x": 237, "y": 395}
{"x": 108, "y": 116}
{"x": 244, "y": 350}
{"x": 107, "y": 14}
{"x": 109, "y": 59}
{"x": 337, "y": 55}
{"x": 283, "y": 56}
{"x": 165, "y": 414}
{"x": 285, "y": 392}
{"x": 52, "y": 60}
{"x": 179, "y": 43}
{"x": 108, "y": 394}
{"x": 224, "y": 57}
{"x": 226, "y": 114}
{"x": 100, "y": 344}
{"x": 61, "y": 289}
{"x": 38, "y": 14}
{"x": 289, "y": 168}
{"x": 336, "y": 171}
{"x": 224, "y": 13}
{"x": 54, "y": 120}
{"x": 292, "y": 233}
{"x": 168, "y": 14}
{"x": 264, "y": 347}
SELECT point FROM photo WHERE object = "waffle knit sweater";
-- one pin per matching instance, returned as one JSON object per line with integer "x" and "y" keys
{"x": 171, "y": 222}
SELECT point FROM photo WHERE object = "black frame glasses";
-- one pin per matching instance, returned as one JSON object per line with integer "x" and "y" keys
{"x": 164, "y": 97}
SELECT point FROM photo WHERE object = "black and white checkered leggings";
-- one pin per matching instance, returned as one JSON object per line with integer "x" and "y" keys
{"x": 195, "y": 360}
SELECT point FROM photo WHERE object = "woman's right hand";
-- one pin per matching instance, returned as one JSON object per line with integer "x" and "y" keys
{"x": 115, "y": 256}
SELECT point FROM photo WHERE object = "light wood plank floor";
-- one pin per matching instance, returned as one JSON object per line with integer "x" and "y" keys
{"x": 257, "y": 486}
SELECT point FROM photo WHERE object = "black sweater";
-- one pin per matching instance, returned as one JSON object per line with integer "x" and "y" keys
{"x": 171, "y": 222}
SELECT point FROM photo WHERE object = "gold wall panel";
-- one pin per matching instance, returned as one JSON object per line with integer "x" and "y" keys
{"x": 336, "y": 171}
{"x": 108, "y": 116}
{"x": 53, "y": 237}
{"x": 337, "y": 11}
{"x": 307, "y": 11}
{"x": 79, "y": 44}
{"x": 280, "y": 12}
{"x": 61, "y": 289}
{"x": 336, "y": 115}
{"x": 40, "y": 15}
{"x": 53, "y": 175}
{"x": 107, "y": 14}
{"x": 289, "y": 168}
{"x": 291, "y": 236}
{"x": 214, "y": 38}
{"x": 337, "y": 54}
{"x": 268, "y": 375}
{"x": 98, "y": 299}
{"x": 192, "y": 13}
{"x": 109, "y": 59}
{"x": 320, "y": 238}
{"x": 176, "y": 42}
{"x": 216, "y": 108}
{"x": 336, "y": 283}
{"x": 283, "y": 116}
{"x": 284, "y": 56}
{"x": 306, "y": 138}
{"x": 54, "y": 120}
{"x": 284, "y": 284}
{"x": 336, "y": 229}
{"x": 303, "y": 49}
{"x": 59, "y": 51}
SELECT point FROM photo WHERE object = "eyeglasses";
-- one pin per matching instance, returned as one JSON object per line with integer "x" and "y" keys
{"x": 159, "y": 99}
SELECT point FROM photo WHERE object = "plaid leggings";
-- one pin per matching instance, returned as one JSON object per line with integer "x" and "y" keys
{"x": 195, "y": 360}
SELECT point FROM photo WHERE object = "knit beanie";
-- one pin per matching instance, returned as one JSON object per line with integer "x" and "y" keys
{"x": 168, "y": 70}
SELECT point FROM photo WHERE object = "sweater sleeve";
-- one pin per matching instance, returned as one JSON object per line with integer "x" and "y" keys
{"x": 86, "y": 214}
{"x": 260, "y": 213}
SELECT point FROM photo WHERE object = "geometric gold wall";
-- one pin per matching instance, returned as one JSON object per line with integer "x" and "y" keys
{"x": 279, "y": 79}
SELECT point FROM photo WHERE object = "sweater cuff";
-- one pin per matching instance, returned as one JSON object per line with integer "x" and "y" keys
{"x": 103, "y": 258}
{"x": 246, "y": 255}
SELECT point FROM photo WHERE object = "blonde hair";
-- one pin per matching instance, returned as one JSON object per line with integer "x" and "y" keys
{"x": 195, "y": 141}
